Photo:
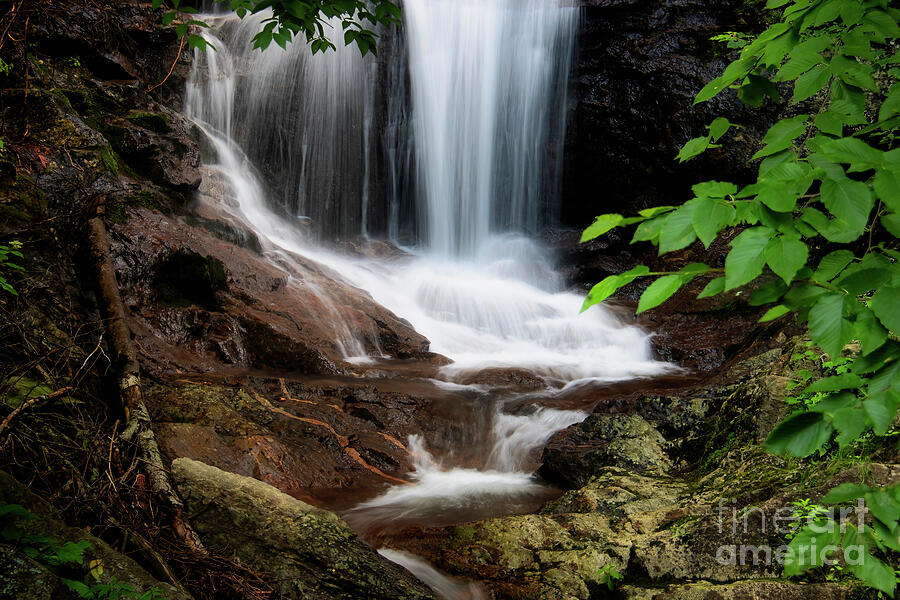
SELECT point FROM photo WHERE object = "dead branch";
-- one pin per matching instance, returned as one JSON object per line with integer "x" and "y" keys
{"x": 31, "y": 402}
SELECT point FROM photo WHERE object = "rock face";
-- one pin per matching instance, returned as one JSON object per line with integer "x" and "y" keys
{"x": 312, "y": 552}
{"x": 203, "y": 303}
{"x": 639, "y": 66}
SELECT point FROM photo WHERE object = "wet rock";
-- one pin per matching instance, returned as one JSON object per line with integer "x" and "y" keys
{"x": 602, "y": 440}
{"x": 294, "y": 315}
{"x": 311, "y": 552}
{"x": 638, "y": 69}
{"x": 303, "y": 439}
{"x": 22, "y": 578}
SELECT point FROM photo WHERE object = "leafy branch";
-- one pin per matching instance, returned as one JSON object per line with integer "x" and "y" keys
{"x": 829, "y": 176}
{"x": 309, "y": 19}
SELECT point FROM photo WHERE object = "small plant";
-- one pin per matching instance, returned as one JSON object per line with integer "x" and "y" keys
{"x": 55, "y": 556}
{"x": 12, "y": 249}
{"x": 5, "y": 68}
{"x": 803, "y": 377}
{"x": 610, "y": 576}
{"x": 835, "y": 572}
{"x": 804, "y": 512}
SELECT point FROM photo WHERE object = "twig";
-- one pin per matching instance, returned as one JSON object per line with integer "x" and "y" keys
{"x": 31, "y": 402}
{"x": 178, "y": 56}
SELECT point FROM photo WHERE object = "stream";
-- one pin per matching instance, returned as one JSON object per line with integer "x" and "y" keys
{"x": 448, "y": 146}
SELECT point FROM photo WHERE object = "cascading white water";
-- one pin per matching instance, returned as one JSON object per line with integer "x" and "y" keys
{"x": 487, "y": 117}
{"x": 486, "y": 77}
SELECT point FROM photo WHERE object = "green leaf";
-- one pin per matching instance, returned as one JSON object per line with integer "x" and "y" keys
{"x": 887, "y": 186}
{"x": 714, "y": 189}
{"x": 881, "y": 408}
{"x": 886, "y": 305}
{"x": 801, "y": 434}
{"x": 609, "y": 285}
{"x": 785, "y": 256}
{"x": 849, "y": 201}
{"x": 678, "y": 229}
{"x": 648, "y": 231}
{"x": 831, "y": 265}
{"x": 648, "y": 213}
{"x": 875, "y": 574}
{"x": 710, "y": 216}
{"x": 736, "y": 70}
{"x": 891, "y": 104}
{"x": 853, "y": 151}
{"x": 781, "y": 135}
{"x": 713, "y": 288}
{"x": 692, "y": 148}
{"x": 891, "y": 222}
{"x": 805, "y": 550}
{"x": 827, "y": 325}
{"x": 851, "y": 422}
{"x": 846, "y": 492}
{"x": 869, "y": 332}
{"x": 803, "y": 58}
{"x": 832, "y": 384}
{"x": 768, "y": 292}
{"x": 829, "y": 122}
{"x": 72, "y": 552}
{"x": 746, "y": 259}
{"x": 718, "y": 128}
{"x": 78, "y": 587}
{"x": 811, "y": 83}
{"x": 776, "y": 312}
{"x": 601, "y": 225}
{"x": 659, "y": 291}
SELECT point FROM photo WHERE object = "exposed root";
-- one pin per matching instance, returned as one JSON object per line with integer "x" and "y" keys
{"x": 124, "y": 355}
{"x": 342, "y": 440}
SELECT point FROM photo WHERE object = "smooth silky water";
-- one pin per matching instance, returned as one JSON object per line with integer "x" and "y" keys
{"x": 460, "y": 165}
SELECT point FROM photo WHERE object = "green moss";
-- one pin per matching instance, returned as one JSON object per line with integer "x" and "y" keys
{"x": 157, "y": 122}
{"x": 109, "y": 159}
{"x": 117, "y": 212}
{"x": 148, "y": 199}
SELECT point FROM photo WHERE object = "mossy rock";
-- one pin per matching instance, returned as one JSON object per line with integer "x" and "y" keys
{"x": 157, "y": 122}
{"x": 311, "y": 552}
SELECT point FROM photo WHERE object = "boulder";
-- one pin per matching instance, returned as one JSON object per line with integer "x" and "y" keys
{"x": 310, "y": 551}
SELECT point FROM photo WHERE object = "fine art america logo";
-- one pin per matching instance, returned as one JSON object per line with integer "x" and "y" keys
{"x": 786, "y": 522}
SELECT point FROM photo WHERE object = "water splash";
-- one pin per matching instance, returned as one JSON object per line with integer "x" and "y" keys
{"x": 443, "y": 586}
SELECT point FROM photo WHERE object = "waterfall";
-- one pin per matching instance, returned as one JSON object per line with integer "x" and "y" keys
{"x": 450, "y": 144}
{"x": 488, "y": 90}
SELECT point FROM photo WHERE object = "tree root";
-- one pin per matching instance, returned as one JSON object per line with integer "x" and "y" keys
{"x": 127, "y": 369}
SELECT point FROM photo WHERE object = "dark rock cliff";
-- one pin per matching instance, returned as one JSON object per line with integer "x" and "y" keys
{"x": 638, "y": 69}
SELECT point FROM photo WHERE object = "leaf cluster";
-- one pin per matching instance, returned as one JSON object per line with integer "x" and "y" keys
{"x": 310, "y": 20}
{"x": 828, "y": 186}
{"x": 7, "y": 250}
